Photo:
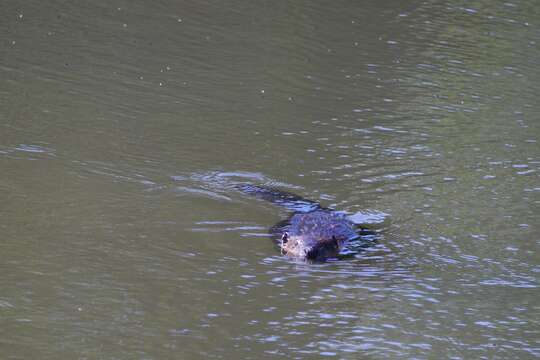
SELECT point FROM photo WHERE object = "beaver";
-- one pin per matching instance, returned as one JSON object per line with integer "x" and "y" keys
{"x": 311, "y": 232}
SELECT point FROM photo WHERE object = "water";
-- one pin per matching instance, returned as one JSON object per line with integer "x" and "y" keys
{"x": 124, "y": 124}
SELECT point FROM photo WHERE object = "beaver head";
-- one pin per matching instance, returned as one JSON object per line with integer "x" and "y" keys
{"x": 316, "y": 235}
{"x": 318, "y": 250}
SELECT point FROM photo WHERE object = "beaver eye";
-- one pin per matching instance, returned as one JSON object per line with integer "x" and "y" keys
{"x": 285, "y": 237}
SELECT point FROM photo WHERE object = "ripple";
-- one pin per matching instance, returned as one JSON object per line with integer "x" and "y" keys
{"x": 201, "y": 192}
{"x": 368, "y": 217}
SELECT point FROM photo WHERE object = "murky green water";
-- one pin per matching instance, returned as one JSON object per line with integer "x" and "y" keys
{"x": 123, "y": 125}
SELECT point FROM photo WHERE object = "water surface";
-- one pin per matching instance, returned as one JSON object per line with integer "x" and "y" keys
{"x": 124, "y": 126}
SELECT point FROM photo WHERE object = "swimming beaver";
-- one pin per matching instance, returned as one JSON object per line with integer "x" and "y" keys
{"x": 311, "y": 232}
